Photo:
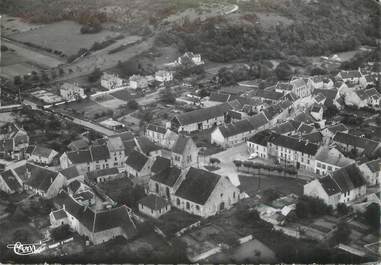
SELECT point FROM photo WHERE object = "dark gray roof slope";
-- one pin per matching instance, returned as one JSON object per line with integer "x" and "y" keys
{"x": 198, "y": 185}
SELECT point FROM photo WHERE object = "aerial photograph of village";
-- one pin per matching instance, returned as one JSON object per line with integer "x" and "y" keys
{"x": 190, "y": 131}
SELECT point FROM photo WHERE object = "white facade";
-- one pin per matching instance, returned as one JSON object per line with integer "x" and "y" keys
{"x": 163, "y": 76}
{"x": 111, "y": 81}
{"x": 72, "y": 92}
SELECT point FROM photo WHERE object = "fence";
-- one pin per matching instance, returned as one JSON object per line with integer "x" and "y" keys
{"x": 182, "y": 231}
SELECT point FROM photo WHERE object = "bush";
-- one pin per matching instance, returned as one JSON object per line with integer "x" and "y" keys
{"x": 61, "y": 233}
{"x": 342, "y": 209}
{"x": 283, "y": 71}
{"x": 372, "y": 216}
{"x": 341, "y": 235}
{"x": 95, "y": 75}
{"x": 308, "y": 207}
{"x": 132, "y": 104}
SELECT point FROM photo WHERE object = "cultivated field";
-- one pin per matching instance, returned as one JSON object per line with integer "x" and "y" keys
{"x": 12, "y": 25}
{"x": 13, "y": 64}
{"x": 62, "y": 36}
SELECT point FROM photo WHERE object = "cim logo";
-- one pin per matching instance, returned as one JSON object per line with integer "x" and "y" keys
{"x": 25, "y": 249}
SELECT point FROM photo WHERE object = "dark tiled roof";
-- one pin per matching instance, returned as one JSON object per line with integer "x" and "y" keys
{"x": 59, "y": 214}
{"x": 329, "y": 185}
{"x": 155, "y": 128}
{"x": 79, "y": 157}
{"x": 136, "y": 160}
{"x": 262, "y": 137}
{"x": 348, "y": 178}
{"x": 42, "y": 151}
{"x": 295, "y": 144}
{"x": 258, "y": 120}
{"x": 203, "y": 114}
{"x": 79, "y": 144}
{"x": 160, "y": 164}
{"x": 10, "y": 180}
{"x": 180, "y": 144}
{"x": 40, "y": 177}
{"x": 99, "y": 221}
{"x": 272, "y": 111}
{"x": 100, "y": 152}
{"x": 337, "y": 128}
{"x": 267, "y": 94}
{"x": 236, "y": 128}
{"x": 198, "y": 185}
{"x": 124, "y": 135}
{"x": 146, "y": 145}
{"x": 374, "y": 166}
{"x": 350, "y": 74}
{"x": 74, "y": 185}
{"x": 154, "y": 202}
{"x": 350, "y": 139}
{"x": 305, "y": 129}
{"x": 168, "y": 176}
{"x": 103, "y": 172}
{"x": 283, "y": 128}
{"x": 219, "y": 97}
{"x": 329, "y": 94}
{"x": 70, "y": 172}
{"x": 315, "y": 137}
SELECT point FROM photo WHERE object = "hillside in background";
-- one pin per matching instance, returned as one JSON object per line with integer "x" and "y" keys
{"x": 258, "y": 29}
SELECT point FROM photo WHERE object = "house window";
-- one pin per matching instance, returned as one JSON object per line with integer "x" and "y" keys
{"x": 233, "y": 195}
{"x": 197, "y": 208}
{"x": 178, "y": 201}
{"x": 187, "y": 205}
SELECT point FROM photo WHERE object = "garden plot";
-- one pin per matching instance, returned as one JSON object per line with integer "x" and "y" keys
{"x": 110, "y": 102}
{"x": 62, "y": 36}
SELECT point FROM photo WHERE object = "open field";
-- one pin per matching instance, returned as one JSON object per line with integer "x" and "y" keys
{"x": 86, "y": 108}
{"x": 256, "y": 185}
{"x": 13, "y": 64}
{"x": 62, "y": 36}
{"x": 12, "y": 25}
{"x": 110, "y": 102}
{"x": 33, "y": 56}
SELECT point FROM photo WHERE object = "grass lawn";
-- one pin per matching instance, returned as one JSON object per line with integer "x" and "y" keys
{"x": 175, "y": 220}
{"x": 122, "y": 95}
{"x": 253, "y": 185}
{"x": 63, "y": 36}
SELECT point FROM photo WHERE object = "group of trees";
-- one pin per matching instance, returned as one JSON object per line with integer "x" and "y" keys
{"x": 308, "y": 207}
{"x": 95, "y": 75}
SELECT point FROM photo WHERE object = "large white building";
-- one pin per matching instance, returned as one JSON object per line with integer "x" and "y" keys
{"x": 72, "y": 92}
{"x": 111, "y": 81}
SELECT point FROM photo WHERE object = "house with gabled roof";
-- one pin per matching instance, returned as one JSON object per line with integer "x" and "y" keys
{"x": 349, "y": 142}
{"x": 166, "y": 182}
{"x": 204, "y": 193}
{"x": 201, "y": 119}
{"x": 155, "y": 133}
{"x": 293, "y": 151}
{"x": 238, "y": 132}
{"x": 146, "y": 146}
{"x": 352, "y": 77}
{"x": 97, "y": 226}
{"x": 285, "y": 128}
{"x": 43, "y": 181}
{"x": 94, "y": 158}
{"x": 372, "y": 171}
{"x": 341, "y": 186}
{"x": 300, "y": 88}
{"x": 319, "y": 82}
{"x": 40, "y": 154}
{"x": 104, "y": 175}
{"x": 184, "y": 152}
{"x": 9, "y": 182}
{"x": 138, "y": 167}
{"x": 154, "y": 206}
{"x": 330, "y": 159}
{"x": 71, "y": 174}
{"x": 259, "y": 142}
{"x": 117, "y": 152}
{"x": 13, "y": 141}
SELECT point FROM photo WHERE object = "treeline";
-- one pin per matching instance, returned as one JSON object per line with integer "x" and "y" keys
{"x": 317, "y": 29}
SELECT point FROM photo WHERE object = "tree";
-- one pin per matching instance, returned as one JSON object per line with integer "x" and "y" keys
{"x": 17, "y": 80}
{"x": 167, "y": 96}
{"x": 95, "y": 75}
{"x": 132, "y": 104}
{"x": 283, "y": 71}
{"x": 342, "y": 209}
{"x": 341, "y": 235}
{"x": 61, "y": 233}
{"x": 372, "y": 216}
